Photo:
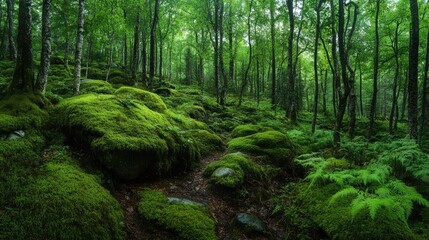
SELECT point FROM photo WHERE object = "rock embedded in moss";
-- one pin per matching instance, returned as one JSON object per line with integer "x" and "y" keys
{"x": 188, "y": 221}
{"x": 250, "y": 223}
{"x": 131, "y": 132}
{"x": 271, "y": 146}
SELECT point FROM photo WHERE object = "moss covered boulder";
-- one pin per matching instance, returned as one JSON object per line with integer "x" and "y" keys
{"x": 96, "y": 86}
{"x": 207, "y": 141}
{"x": 232, "y": 170}
{"x": 271, "y": 146}
{"x": 191, "y": 222}
{"x": 248, "y": 129}
{"x": 62, "y": 203}
{"x": 131, "y": 132}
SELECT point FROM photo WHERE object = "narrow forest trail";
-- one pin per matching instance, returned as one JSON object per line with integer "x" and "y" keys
{"x": 193, "y": 186}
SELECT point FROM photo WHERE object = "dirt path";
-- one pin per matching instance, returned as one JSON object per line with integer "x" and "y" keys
{"x": 194, "y": 186}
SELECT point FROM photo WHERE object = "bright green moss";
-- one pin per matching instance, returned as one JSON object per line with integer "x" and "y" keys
{"x": 150, "y": 100}
{"x": 96, "y": 86}
{"x": 246, "y": 130}
{"x": 126, "y": 135}
{"x": 194, "y": 111}
{"x": 189, "y": 222}
{"x": 271, "y": 146}
{"x": 63, "y": 203}
{"x": 207, "y": 142}
{"x": 337, "y": 221}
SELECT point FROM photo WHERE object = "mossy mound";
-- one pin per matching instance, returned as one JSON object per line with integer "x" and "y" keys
{"x": 194, "y": 111}
{"x": 271, "y": 146}
{"x": 63, "y": 202}
{"x": 236, "y": 168}
{"x": 96, "y": 86}
{"x": 337, "y": 221}
{"x": 207, "y": 142}
{"x": 188, "y": 221}
{"x": 246, "y": 130}
{"x": 129, "y": 132}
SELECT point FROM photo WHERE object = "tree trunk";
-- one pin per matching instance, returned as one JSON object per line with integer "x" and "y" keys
{"x": 290, "y": 102}
{"x": 424, "y": 121}
{"x": 224, "y": 88}
{"x": 249, "y": 64}
{"x": 376, "y": 63}
{"x": 23, "y": 76}
{"x": 336, "y": 74}
{"x": 135, "y": 62}
{"x": 360, "y": 90}
{"x": 413, "y": 71}
{"x": 144, "y": 58}
{"x": 152, "y": 58}
{"x": 395, "y": 81}
{"x": 315, "y": 68}
{"x": 325, "y": 93}
{"x": 273, "y": 52}
{"x": 45, "y": 60}
{"x": 404, "y": 96}
{"x": 79, "y": 45}
{"x": 12, "y": 48}
{"x": 231, "y": 47}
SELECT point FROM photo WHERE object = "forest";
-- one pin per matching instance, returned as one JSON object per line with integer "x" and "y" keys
{"x": 214, "y": 119}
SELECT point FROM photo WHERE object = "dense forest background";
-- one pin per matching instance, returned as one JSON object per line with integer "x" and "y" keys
{"x": 114, "y": 116}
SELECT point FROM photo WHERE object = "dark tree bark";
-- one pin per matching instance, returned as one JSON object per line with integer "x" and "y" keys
{"x": 375, "y": 79}
{"x": 224, "y": 87}
{"x": 404, "y": 96}
{"x": 336, "y": 73}
{"x": 395, "y": 47}
{"x": 343, "y": 96}
{"x": 424, "y": 121}
{"x": 413, "y": 71}
{"x": 231, "y": 46}
{"x": 79, "y": 46}
{"x": 315, "y": 67}
{"x": 216, "y": 49}
{"x": 360, "y": 90}
{"x": 352, "y": 74}
{"x": 45, "y": 60}
{"x": 23, "y": 76}
{"x": 273, "y": 52}
{"x": 152, "y": 58}
{"x": 291, "y": 111}
{"x": 135, "y": 63}
{"x": 12, "y": 48}
{"x": 325, "y": 93}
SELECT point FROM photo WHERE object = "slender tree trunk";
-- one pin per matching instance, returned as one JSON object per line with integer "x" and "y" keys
{"x": 360, "y": 91}
{"x": 79, "y": 45}
{"x": 315, "y": 67}
{"x": 273, "y": 52}
{"x": 352, "y": 74}
{"x": 23, "y": 76}
{"x": 395, "y": 81}
{"x": 336, "y": 72}
{"x": 12, "y": 48}
{"x": 372, "y": 113}
{"x": 152, "y": 58}
{"x": 216, "y": 49}
{"x": 413, "y": 71}
{"x": 290, "y": 103}
{"x": 144, "y": 58}
{"x": 325, "y": 93}
{"x": 231, "y": 47}
{"x": 224, "y": 87}
{"x": 45, "y": 60}
{"x": 135, "y": 62}
{"x": 249, "y": 64}
{"x": 405, "y": 96}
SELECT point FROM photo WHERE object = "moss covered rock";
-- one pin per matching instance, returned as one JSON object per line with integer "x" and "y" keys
{"x": 272, "y": 146}
{"x": 246, "y": 130}
{"x": 63, "y": 202}
{"x": 233, "y": 169}
{"x": 96, "y": 86}
{"x": 188, "y": 221}
{"x": 337, "y": 220}
{"x": 207, "y": 141}
{"x": 130, "y": 132}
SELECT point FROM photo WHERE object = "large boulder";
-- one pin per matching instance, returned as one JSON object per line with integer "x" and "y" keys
{"x": 130, "y": 132}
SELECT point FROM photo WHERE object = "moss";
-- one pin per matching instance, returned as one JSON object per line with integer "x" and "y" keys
{"x": 189, "y": 222}
{"x": 62, "y": 202}
{"x": 193, "y": 111}
{"x": 57, "y": 60}
{"x": 8, "y": 72}
{"x": 272, "y": 146}
{"x": 60, "y": 70}
{"x": 165, "y": 92}
{"x": 207, "y": 142}
{"x": 150, "y": 100}
{"x": 337, "y": 221}
{"x": 121, "y": 81}
{"x": 243, "y": 167}
{"x": 246, "y": 130}
{"x": 96, "y": 86}
{"x": 126, "y": 135}
{"x": 319, "y": 141}
{"x": 94, "y": 73}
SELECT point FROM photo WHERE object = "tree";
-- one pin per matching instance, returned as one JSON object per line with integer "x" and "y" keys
{"x": 135, "y": 62}
{"x": 413, "y": 70}
{"x": 23, "y": 76}
{"x": 152, "y": 45}
{"x": 291, "y": 108}
{"x": 79, "y": 46}
{"x": 376, "y": 63}
{"x": 45, "y": 59}
{"x": 273, "y": 52}
{"x": 12, "y": 49}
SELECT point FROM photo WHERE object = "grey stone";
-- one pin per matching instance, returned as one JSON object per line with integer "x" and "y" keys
{"x": 223, "y": 172}
{"x": 175, "y": 200}
{"x": 250, "y": 223}
{"x": 18, "y": 134}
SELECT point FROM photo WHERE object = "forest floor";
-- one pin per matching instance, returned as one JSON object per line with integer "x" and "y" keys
{"x": 193, "y": 186}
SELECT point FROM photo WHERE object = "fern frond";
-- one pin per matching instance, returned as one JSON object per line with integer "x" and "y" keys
{"x": 343, "y": 194}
